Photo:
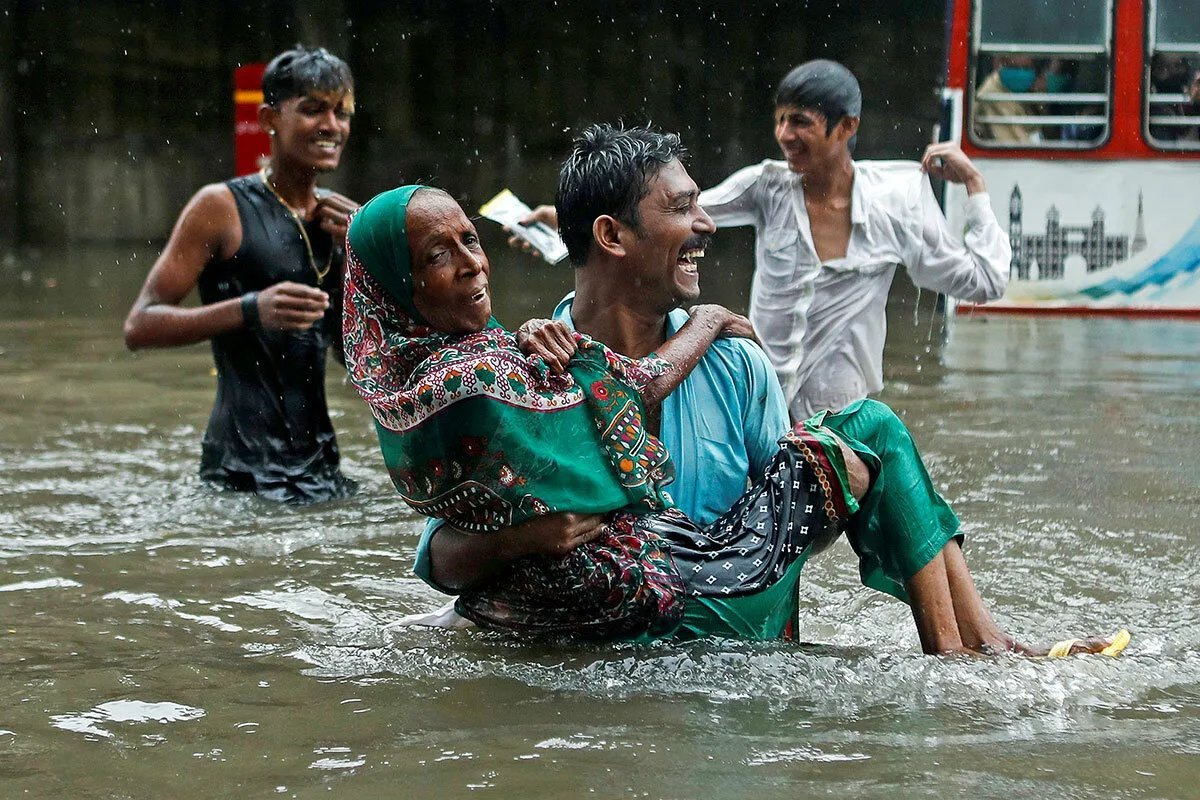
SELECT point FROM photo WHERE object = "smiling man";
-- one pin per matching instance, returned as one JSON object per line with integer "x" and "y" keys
{"x": 265, "y": 251}
{"x": 633, "y": 225}
{"x": 831, "y": 232}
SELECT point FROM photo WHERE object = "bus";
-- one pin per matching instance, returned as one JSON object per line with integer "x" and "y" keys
{"x": 1084, "y": 117}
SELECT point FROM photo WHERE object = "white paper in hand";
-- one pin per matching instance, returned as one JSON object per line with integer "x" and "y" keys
{"x": 507, "y": 210}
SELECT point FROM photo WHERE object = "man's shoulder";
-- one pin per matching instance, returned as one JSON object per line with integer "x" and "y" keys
{"x": 887, "y": 170}
{"x": 213, "y": 199}
{"x": 774, "y": 171}
{"x": 766, "y": 171}
{"x": 897, "y": 183}
{"x": 742, "y": 360}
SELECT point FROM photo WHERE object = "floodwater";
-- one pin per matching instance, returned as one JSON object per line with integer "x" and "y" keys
{"x": 158, "y": 639}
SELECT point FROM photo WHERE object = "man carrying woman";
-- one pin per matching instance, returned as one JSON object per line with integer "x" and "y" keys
{"x": 634, "y": 228}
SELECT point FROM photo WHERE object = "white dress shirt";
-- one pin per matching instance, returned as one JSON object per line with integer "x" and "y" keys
{"x": 823, "y": 324}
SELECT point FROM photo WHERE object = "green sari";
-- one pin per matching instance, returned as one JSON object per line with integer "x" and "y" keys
{"x": 476, "y": 433}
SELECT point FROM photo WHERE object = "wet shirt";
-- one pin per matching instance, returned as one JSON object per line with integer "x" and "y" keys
{"x": 721, "y": 425}
{"x": 269, "y": 431}
{"x": 823, "y": 324}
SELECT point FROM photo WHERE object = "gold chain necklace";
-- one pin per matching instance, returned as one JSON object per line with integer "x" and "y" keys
{"x": 312, "y": 261}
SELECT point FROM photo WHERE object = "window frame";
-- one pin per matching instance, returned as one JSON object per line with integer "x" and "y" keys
{"x": 1103, "y": 50}
{"x": 1149, "y": 98}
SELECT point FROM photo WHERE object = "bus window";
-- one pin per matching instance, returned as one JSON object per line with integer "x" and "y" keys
{"x": 1040, "y": 69}
{"x": 1173, "y": 75}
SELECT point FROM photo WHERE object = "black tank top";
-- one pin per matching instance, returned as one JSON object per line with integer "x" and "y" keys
{"x": 269, "y": 430}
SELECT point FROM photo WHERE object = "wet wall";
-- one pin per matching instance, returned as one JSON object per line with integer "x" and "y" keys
{"x": 113, "y": 113}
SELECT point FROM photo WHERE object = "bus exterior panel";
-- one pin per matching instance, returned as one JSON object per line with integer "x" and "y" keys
{"x": 1106, "y": 226}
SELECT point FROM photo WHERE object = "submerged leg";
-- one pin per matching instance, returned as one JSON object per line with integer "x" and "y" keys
{"x": 906, "y": 538}
{"x": 976, "y": 625}
{"x": 933, "y": 609}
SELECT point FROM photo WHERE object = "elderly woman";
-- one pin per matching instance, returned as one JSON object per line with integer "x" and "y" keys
{"x": 475, "y": 432}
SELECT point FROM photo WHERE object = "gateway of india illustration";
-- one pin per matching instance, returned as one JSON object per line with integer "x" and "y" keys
{"x": 1048, "y": 252}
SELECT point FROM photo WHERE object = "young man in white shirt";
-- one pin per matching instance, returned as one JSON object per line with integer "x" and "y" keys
{"x": 831, "y": 232}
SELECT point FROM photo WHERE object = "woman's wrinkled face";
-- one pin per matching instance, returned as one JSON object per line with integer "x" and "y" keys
{"x": 449, "y": 268}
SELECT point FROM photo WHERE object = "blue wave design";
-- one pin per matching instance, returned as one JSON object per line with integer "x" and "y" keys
{"x": 1183, "y": 257}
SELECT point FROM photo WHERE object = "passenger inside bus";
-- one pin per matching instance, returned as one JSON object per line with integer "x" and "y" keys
{"x": 1009, "y": 75}
{"x": 998, "y": 120}
{"x": 1175, "y": 84}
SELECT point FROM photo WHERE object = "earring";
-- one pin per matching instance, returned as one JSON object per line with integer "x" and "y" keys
{"x": 271, "y": 132}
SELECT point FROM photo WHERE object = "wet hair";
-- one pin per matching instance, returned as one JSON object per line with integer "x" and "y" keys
{"x": 608, "y": 173}
{"x": 301, "y": 70}
{"x": 825, "y": 86}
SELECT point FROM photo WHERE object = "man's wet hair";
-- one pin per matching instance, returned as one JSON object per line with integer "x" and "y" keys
{"x": 301, "y": 70}
{"x": 825, "y": 86}
{"x": 608, "y": 172}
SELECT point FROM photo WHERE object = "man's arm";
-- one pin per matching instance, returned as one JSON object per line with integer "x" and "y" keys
{"x": 765, "y": 417}
{"x": 733, "y": 201}
{"x": 975, "y": 268}
{"x": 209, "y": 228}
{"x": 451, "y": 560}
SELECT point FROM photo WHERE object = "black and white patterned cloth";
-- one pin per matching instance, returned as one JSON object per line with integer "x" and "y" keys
{"x": 752, "y": 545}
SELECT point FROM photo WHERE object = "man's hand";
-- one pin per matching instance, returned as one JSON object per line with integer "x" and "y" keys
{"x": 556, "y": 535}
{"x": 946, "y": 160}
{"x": 333, "y": 212}
{"x": 544, "y": 214}
{"x": 290, "y": 306}
{"x": 551, "y": 340}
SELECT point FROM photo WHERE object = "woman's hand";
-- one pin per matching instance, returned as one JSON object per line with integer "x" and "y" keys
{"x": 550, "y": 340}
{"x": 731, "y": 324}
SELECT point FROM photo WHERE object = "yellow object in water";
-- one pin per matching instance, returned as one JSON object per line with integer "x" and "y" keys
{"x": 1120, "y": 640}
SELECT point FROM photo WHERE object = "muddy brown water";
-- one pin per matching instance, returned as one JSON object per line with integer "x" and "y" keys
{"x": 158, "y": 639}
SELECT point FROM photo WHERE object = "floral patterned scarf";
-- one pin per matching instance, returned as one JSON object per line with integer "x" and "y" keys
{"x": 474, "y": 432}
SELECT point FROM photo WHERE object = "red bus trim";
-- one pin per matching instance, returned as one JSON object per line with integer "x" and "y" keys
{"x": 1126, "y": 139}
{"x": 1129, "y": 312}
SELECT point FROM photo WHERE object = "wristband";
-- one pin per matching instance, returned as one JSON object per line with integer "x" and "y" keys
{"x": 250, "y": 310}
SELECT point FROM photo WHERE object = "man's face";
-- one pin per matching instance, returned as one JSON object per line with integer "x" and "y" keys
{"x": 311, "y": 130}
{"x": 801, "y": 135}
{"x": 673, "y": 233}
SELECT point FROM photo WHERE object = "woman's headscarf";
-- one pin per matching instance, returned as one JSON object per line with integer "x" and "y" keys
{"x": 471, "y": 430}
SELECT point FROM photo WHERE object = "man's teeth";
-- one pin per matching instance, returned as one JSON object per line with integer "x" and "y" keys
{"x": 327, "y": 144}
{"x": 688, "y": 259}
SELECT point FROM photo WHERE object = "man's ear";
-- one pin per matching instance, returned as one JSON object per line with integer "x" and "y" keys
{"x": 266, "y": 119}
{"x": 606, "y": 235}
{"x": 847, "y": 127}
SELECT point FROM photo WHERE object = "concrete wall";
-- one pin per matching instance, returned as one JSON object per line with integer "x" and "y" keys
{"x": 113, "y": 113}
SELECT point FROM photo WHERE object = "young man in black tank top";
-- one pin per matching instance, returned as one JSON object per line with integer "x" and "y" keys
{"x": 266, "y": 253}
